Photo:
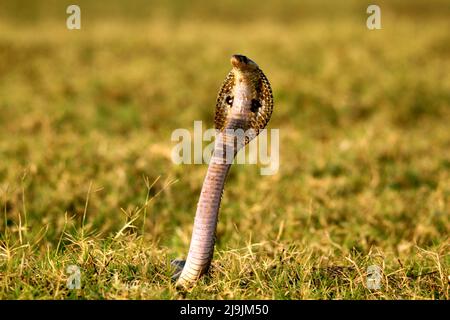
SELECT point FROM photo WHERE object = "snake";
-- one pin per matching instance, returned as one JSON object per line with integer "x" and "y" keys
{"x": 244, "y": 104}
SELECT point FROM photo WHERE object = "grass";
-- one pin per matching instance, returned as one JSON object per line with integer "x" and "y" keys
{"x": 86, "y": 176}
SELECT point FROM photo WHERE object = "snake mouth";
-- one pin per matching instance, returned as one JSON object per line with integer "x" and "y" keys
{"x": 241, "y": 62}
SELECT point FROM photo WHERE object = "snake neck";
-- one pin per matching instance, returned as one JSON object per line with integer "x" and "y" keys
{"x": 201, "y": 249}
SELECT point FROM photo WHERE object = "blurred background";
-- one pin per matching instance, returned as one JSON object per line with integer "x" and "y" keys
{"x": 363, "y": 117}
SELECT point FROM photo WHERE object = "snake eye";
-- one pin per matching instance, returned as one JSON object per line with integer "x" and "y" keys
{"x": 229, "y": 100}
{"x": 255, "y": 105}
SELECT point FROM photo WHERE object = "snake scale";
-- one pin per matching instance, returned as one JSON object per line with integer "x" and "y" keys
{"x": 244, "y": 103}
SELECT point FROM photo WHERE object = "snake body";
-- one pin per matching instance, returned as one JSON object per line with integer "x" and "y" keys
{"x": 244, "y": 103}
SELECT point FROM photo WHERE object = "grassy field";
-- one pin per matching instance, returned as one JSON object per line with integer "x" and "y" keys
{"x": 86, "y": 176}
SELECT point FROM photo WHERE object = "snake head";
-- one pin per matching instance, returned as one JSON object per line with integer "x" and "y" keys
{"x": 245, "y": 99}
{"x": 242, "y": 63}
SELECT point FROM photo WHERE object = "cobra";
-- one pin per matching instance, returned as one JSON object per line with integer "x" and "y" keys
{"x": 244, "y": 105}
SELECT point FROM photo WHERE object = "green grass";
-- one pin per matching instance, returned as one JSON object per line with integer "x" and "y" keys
{"x": 86, "y": 176}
